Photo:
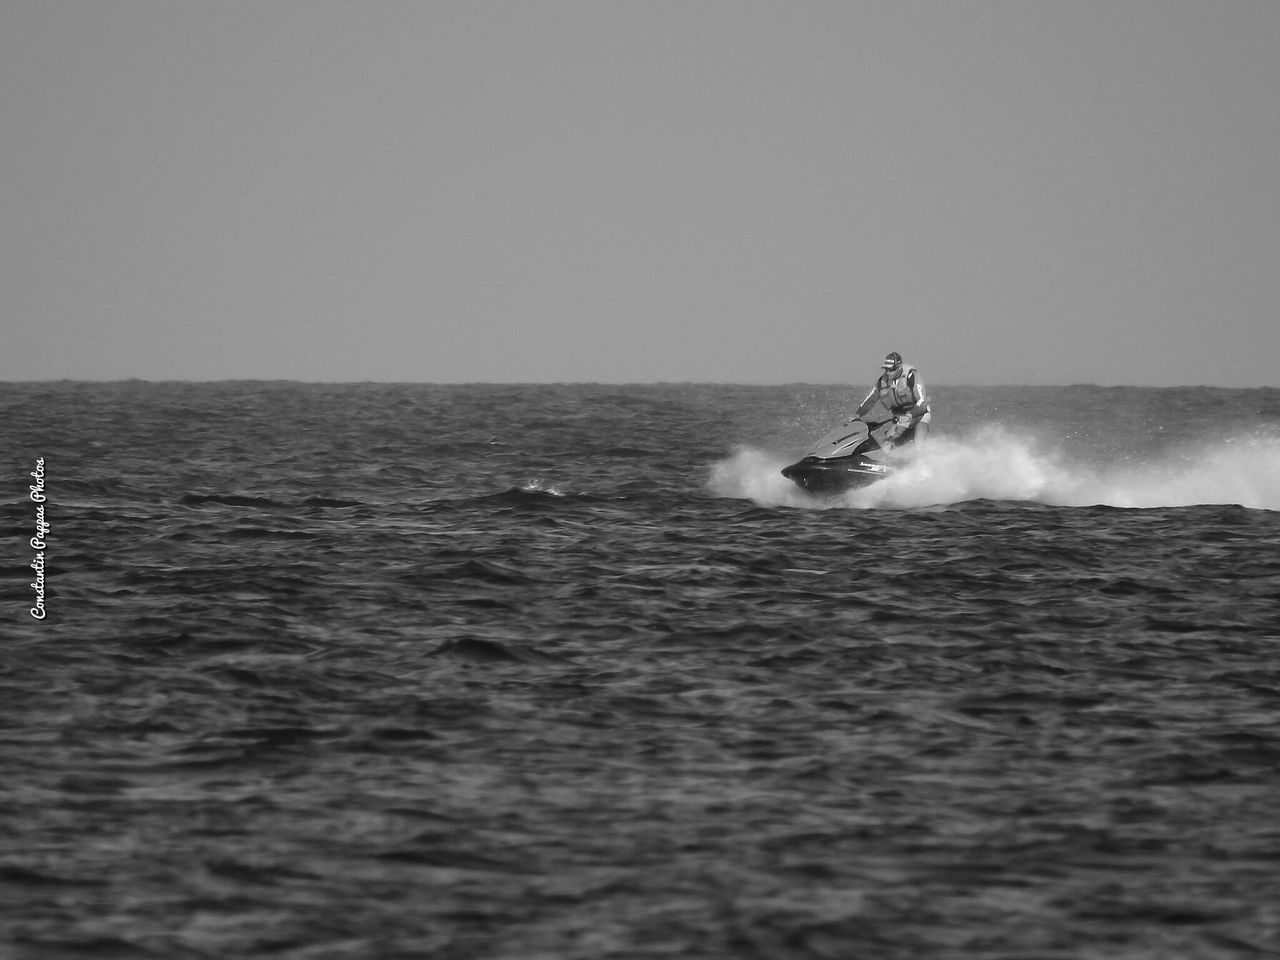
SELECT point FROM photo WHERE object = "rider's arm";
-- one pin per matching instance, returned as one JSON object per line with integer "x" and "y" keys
{"x": 868, "y": 403}
{"x": 921, "y": 406}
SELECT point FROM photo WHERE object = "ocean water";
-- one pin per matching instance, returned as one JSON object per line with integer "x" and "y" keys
{"x": 543, "y": 672}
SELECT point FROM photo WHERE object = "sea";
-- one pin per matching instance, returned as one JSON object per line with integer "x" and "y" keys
{"x": 313, "y": 671}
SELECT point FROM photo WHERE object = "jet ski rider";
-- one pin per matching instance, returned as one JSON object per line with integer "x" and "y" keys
{"x": 900, "y": 391}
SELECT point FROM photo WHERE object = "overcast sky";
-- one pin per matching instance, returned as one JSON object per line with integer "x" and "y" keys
{"x": 1006, "y": 192}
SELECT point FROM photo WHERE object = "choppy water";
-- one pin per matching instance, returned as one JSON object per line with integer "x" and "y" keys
{"x": 572, "y": 672}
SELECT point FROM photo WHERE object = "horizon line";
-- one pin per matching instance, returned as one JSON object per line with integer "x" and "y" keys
{"x": 609, "y": 383}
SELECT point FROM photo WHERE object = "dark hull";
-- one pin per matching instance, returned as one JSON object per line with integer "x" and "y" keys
{"x": 836, "y": 475}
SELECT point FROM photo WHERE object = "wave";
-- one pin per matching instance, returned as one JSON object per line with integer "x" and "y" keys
{"x": 996, "y": 464}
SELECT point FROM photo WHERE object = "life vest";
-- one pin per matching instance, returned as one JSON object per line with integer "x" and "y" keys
{"x": 902, "y": 393}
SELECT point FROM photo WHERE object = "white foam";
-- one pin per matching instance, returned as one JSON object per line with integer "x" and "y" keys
{"x": 755, "y": 475}
{"x": 995, "y": 464}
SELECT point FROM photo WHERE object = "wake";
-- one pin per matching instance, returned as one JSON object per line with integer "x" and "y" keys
{"x": 998, "y": 465}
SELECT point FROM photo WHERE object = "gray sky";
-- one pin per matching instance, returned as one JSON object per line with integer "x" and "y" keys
{"x": 1006, "y": 192}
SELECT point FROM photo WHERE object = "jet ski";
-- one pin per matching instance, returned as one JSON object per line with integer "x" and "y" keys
{"x": 847, "y": 457}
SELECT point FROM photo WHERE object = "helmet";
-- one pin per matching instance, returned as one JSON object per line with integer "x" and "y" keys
{"x": 892, "y": 361}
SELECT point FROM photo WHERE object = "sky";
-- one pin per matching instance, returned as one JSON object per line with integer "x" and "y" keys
{"x": 1005, "y": 191}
